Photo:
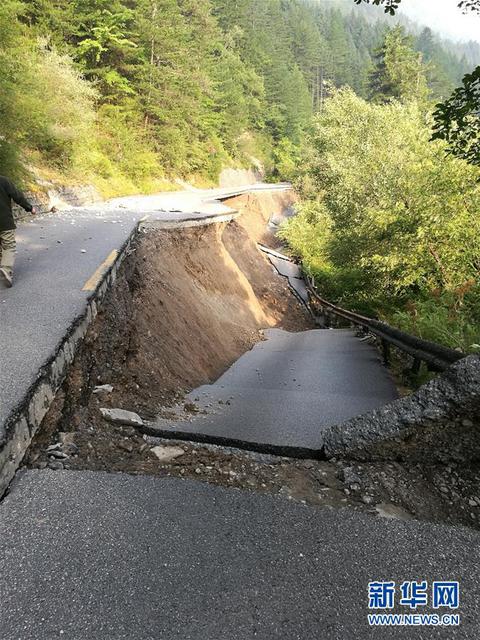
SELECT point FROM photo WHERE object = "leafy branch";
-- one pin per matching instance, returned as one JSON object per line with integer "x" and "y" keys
{"x": 391, "y": 6}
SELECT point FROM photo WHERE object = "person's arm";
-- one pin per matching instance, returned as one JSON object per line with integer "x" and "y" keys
{"x": 18, "y": 197}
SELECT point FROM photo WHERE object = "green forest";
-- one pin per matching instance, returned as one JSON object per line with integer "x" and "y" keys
{"x": 129, "y": 95}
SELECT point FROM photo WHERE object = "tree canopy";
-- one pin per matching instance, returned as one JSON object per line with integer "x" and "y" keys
{"x": 140, "y": 90}
{"x": 388, "y": 224}
{"x": 457, "y": 120}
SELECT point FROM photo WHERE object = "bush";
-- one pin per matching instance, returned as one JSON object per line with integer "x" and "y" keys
{"x": 388, "y": 218}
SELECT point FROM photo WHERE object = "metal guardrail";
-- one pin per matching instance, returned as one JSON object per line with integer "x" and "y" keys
{"x": 436, "y": 356}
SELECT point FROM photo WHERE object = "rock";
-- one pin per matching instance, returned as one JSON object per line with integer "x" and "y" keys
{"x": 472, "y": 502}
{"x": 367, "y": 499}
{"x": 55, "y": 465}
{"x": 167, "y": 454}
{"x": 126, "y": 445}
{"x": 120, "y": 416}
{"x": 54, "y": 447}
{"x": 392, "y": 511}
{"x": 103, "y": 388}
{"x": 189, "y": 407}
{"x": 57, "y": 454}
{"x": 350, "y": 477}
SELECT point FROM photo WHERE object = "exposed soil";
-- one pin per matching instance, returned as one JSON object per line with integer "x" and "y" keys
{"x": 448, "y": 494}
{"x": 257, "y": 212}
{"x": 185, "y": 306}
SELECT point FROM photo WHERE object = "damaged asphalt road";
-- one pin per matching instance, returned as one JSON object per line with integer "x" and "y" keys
{"x": 279, "y": 396}
{"x": 138, "y": 557}
{"x": 136, "y": 537}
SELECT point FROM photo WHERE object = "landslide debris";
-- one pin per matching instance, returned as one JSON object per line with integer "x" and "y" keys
{"x": 186, "y": 304}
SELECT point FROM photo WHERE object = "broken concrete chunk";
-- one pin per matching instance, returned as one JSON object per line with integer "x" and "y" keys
{"x": 54, "y": 447}
{"x": 167, "y": 454}
{"x": 439, "y": 422}
{"x": 120, "y": 416}
{"x": 59, "y": 455}
{"x": 103, "y": 388}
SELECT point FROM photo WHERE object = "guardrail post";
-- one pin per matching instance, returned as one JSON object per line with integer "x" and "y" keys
{"x": 386, "y": 352}
{"x": 416, "y": 366}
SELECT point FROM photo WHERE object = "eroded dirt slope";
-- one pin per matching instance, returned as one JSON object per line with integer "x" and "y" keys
{"x": 186, "y": 305}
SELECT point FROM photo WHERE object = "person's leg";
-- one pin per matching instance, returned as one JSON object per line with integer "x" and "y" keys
{"x": 8, "y": 250}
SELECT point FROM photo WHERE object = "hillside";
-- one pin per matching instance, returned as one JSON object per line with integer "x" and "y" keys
{"x": 128, "y": 94}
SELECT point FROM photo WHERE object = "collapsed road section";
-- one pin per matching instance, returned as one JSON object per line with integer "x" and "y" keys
{"x": 67, "y": 263}
{"x": 188, "y": 304}
{"x": 193, "y": 310}
{"x": 205, "y": 341}
{"x": 277, "y": 543}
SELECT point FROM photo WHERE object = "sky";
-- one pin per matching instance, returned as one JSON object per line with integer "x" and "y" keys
{"x": 444, "y": 16}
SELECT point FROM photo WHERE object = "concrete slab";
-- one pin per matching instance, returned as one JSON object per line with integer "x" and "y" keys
{"x": 281, "y": 395}
{"x": 89, "y": 556}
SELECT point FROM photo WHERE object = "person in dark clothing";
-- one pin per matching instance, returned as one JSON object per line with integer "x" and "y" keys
{"x": 9, "y": 192}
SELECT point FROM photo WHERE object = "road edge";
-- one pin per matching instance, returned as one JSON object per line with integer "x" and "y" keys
{"x": 24, "y": 421}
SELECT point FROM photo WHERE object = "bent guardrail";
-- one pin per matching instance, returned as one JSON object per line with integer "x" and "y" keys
{"x": 436, "y": 356}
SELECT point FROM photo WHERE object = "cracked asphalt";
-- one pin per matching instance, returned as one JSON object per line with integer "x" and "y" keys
{"x": 91, "y": 556}
{"x": 279, "y": 396}
{"x": 57, "y": 254}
